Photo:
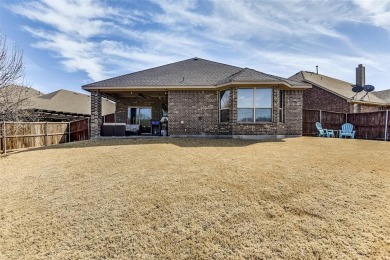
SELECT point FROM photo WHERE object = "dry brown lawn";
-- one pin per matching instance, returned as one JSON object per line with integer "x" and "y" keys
{"x": 301, "y": 198}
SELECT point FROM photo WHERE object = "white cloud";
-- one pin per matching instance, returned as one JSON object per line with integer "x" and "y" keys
{"x": 375, "y": 11}
{"x": 103, "y": 40}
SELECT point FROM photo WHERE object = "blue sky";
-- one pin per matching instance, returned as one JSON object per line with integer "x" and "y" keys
{"x": 68, "y": 43}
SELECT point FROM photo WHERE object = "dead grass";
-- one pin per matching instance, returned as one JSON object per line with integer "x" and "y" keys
{"x": 302, "y": 198}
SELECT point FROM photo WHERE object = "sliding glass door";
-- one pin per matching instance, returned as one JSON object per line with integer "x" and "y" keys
{"x": 140, "y": 116}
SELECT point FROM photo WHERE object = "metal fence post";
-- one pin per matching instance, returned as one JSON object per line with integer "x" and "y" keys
{"x": 320, "y": 116}
{"x": 46, "y": 134}
{"x": 4, "y": 139}
{"x": 69, "y": 132}
{"x": 386, "y": 125}
{"x": 346, "y": 117}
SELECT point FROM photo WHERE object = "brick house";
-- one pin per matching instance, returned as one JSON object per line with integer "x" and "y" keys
{"x": 202, "y": 98}
{"x": 334, "y": 95}
{"x": 60, "y": 105}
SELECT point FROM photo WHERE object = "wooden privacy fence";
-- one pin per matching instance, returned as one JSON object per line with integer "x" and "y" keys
{"x": 372, "y": 125}
{"x": 18, "y": 135}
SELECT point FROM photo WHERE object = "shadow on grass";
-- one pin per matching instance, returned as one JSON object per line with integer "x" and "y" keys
{"x": 181, "y": 142}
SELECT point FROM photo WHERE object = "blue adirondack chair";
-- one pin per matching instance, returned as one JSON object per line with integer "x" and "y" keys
{"x": 347, "y": 131}
{"x": 324, "y": 132}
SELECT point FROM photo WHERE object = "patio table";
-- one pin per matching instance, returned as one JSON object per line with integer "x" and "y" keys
{"x": 331, "y": 132}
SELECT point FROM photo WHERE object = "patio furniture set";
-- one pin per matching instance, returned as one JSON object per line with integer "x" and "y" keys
{"x": 345, "y": 131}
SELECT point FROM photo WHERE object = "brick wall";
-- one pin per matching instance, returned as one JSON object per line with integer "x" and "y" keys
{"x": 193, "y": 112}
{"x": 196, "y": 112}
{"x": 246, "y": 128}
{"x": 155, "y": 103}
{"x": 367, "y": 108}
{"x": 294, "y": 113}
{"x": 319, "y": 99}
{"x": 293, "y": 116}
{"x": 199, "y": 112}
{"x": 96, "y": 113}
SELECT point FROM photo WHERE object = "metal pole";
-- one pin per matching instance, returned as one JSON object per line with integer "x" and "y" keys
{"x": 69, "y": 132}
{"x": 346, "y": 117}
{"x": 321, "y": 116}
{"x": 5, "y": 140}
{"x": 46, "y": 134}
{"x": 386, "y": 125}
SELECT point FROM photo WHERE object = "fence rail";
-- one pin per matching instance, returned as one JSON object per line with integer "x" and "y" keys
{"x": 18, "y": 135}
{"x": 372, "y": 125}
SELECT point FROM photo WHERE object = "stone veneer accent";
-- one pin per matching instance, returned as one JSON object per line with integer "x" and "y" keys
{"x": 96, "y": 113}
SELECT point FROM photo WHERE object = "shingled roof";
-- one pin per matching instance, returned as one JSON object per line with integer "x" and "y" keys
{"x": 193, "y": 72}
{"x": 65, "y": 101}
{"x": 338, "y": 87}
{"x": 383, "y": 94}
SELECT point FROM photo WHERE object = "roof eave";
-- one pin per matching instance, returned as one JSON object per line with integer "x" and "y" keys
{"x": 148, "y": 88}
{"x": 367, "y": 102}
{"x": 195, "y": 87}
{"x": 265, "y": 83}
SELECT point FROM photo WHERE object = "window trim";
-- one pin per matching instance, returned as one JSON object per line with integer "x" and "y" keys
{"x": 219, "y": 106}
{"x": 138, "y": 107}
{"x": 282, "y": 106}
{"x": 254, "y": 107}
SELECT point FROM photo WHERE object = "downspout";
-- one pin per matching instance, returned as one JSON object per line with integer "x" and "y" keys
{"x": 320, "y": 116}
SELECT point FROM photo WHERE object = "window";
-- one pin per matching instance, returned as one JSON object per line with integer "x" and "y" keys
{"x": 254, "y": 105}
{"x": 224, "y": 105}
{"x": 282, "y": 106}
{"x": 139, "y": 115}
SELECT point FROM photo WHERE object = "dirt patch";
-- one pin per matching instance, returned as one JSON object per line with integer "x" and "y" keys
{"x": 301, "y": 198}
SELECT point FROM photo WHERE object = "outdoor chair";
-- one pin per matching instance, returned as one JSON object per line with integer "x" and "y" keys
{"x": 347, "y": 130}
{"x": 324, "y": 132}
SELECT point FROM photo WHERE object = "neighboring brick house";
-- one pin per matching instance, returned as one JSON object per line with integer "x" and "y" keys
{"x": 334, "y": 95}
{"x": 201, "y": 97}
{"x": 65, "y": 105}
{"x": 60, "y": 105}
{"x": 384, "y": 95}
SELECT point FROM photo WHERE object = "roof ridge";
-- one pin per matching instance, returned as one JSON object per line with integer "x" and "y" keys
{"x": 277, "y": 77}
{"x": 313, "y": 73}
{"x": 215, "y": 62}
{"x": 49, "y": 95}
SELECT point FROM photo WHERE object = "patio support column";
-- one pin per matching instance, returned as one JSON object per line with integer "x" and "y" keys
{"x": 96, "y": 114}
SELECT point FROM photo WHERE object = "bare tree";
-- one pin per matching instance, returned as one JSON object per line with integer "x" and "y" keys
{"x": 13, "y": 95}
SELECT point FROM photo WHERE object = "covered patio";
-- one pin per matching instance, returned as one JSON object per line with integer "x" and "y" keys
{"x": 138, "y": 113}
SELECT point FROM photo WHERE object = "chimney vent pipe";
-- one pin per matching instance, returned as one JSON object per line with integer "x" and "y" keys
{"x": 360, "y": 75}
